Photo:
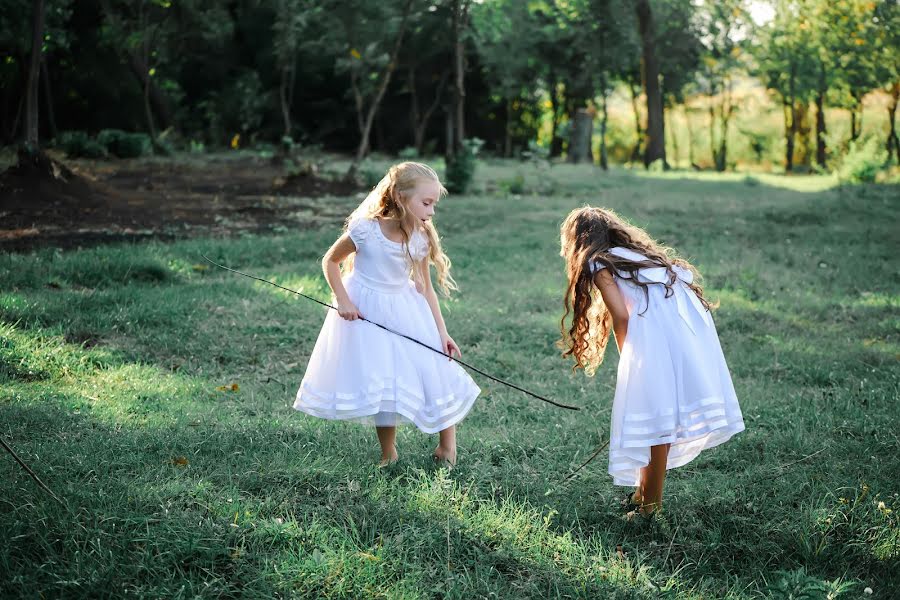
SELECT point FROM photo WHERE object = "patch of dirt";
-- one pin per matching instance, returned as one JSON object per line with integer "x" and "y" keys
{"x": 132, "y": 200}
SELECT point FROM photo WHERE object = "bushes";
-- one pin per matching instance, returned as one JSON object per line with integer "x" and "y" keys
{"x": 78, "y": 144}
{"x": 109, "y": 142}
{"x": 862, "y": 162}
{"x": 123, "y": 144}
{"x": 461, "y": 168}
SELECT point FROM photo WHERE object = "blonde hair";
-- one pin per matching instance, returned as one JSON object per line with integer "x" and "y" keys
{"x": 387, "y": 200}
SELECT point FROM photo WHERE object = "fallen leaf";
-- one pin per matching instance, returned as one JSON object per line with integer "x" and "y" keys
{"x": 231, "y": 387}
{"x": 180, "y": 461}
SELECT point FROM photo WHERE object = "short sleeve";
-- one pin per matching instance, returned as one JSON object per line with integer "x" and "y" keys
{"x": 359, "y": 230}
{"x": 419, "y": 246}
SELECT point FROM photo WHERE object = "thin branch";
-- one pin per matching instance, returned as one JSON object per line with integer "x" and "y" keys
{"x": 585, "y": 463}
{"x": 30, "y": 472}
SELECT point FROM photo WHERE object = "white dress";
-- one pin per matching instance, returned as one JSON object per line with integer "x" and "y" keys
{"x": 360, "y": 372}
{"x": 673, "y": 386}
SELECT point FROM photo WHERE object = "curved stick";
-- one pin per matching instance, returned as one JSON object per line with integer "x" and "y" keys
{"x": 468, "y": 366}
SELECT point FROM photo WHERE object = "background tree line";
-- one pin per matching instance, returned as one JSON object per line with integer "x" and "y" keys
{"x": 536, "y": 76}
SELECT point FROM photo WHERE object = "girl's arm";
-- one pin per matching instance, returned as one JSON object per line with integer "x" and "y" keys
{"x": 331, "y": 265}
{"x": 615, "y": 303}
{"x": 447, "y": 344}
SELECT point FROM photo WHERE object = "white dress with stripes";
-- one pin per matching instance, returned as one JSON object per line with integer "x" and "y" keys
{"x": 673, "y": 386}
{"x": 358, "y": 371}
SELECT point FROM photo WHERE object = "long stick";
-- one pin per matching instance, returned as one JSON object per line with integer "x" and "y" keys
{"x": 28, "y": 469}
{"x": 468, "y": 366}
{"x": 585, "y": 463}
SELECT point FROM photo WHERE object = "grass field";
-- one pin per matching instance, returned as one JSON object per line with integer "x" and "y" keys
{"x": 117, "y": 365}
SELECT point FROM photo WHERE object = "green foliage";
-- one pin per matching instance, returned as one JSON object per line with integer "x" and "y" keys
{"x": 370, "y": 174}
{"x": 124, "y": 144}
{"x": 408, "y": 153}
{"x": 515, "y": 185}
{"x": 862, "y": 162}
{"x": 78, "y": 144}
{"x": 798, "y": 585}
{"x": 461, "y": 166}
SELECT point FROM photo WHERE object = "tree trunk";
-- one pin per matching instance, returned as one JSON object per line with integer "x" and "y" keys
{"x": 790, "y": 122}
{"x": 507, "y": 133}
{"x": 820, "y": 119}
{"x": 156, "y": 97}
{"x": 604, "y": 157}
{"x": 448, "y": 132}
{"x": 31, "y": 93}
{"x": 639, "y": 130}
{"x": 420, "y": 122}
{"x": 856, "y": 123}
{"x": 580, "y": 141}
{"x": 789, "y": 119}
{"x": 148, "y": 111}
{"x": 725, "y": 114}
{"x": 48, "y": 100}
{"x": 285, "y": 102}
{"x": 712, "y": 134}
{"x": 366, "y": 123}
{"x": 820, "y": 129}
{"x": 460, "y": 14}
{"x": 674, "y": 138}
{"x": 556, "y": 142}
{"x": 690, "y": 130}
{"x": 804, "y": 137}
{"x": 893, "y": 144}
{"x": 656, "y": 140}
{"x": 414, "y": 119}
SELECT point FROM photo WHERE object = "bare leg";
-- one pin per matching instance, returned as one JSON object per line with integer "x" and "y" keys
{"x": 652, "y": 478}
{"x": 446, "y": 449}
{"x": 386, "y": 437}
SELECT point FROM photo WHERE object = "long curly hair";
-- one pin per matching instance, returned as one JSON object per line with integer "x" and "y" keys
{"x": 586, "y": 236}
{"x": 387, "y": 200}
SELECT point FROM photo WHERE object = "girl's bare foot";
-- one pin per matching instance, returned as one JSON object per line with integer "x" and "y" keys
{"x": 387, "y": 459}
{"x": 444, "y": 456}
{"x": 633, "y": 499}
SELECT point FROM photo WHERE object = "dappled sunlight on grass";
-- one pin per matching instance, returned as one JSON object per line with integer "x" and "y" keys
{"x": 796, "y": 183}
{"x": 153, "y": 392}
{"x": 314, "y": 286}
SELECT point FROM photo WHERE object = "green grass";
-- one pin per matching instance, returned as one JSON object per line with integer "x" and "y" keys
{"x": 110, "y": 360}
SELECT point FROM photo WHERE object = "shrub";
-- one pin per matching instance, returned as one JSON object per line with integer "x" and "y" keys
{"x": 862, "y": 162}
{"x": 77, "y": 144}
{"x": 461, "y": 166}
{"x": 123, "y": 144}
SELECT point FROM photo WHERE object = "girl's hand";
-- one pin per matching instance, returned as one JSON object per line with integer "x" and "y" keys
{"x": 449, "y": 346}
{"x": 348, "y": 311}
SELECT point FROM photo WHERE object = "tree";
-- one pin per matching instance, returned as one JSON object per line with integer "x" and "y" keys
{"x": 34, "y": 68}
{"x": 18, "y": 84}
{"x": 138, "y": 29}
{"x": 678, "y": 42}
{"x": 427, "y": 60}
{"x": 292, "y": 18}
{"x": 847, "y": 41}
{"x": 785, "y": 59}
{"x": 372, "y": 38}
{"x": 508, "y": 59}
{"x": 721, "y": 24}
{"x": 656, "y": 139}
{"x": 887, "y": 31}
{"x": 459, "y": 24}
